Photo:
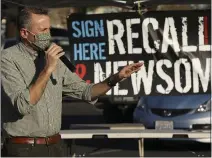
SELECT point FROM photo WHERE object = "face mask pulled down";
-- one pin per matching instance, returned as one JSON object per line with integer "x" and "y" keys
{"x": 42, "y": 40}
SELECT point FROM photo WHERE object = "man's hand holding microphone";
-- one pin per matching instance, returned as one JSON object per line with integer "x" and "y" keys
{"x": 53, "y": 54}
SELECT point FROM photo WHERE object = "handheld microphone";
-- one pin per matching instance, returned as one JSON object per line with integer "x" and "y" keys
{"x": 68, "y": 64}
{"x": 63, "y": 58}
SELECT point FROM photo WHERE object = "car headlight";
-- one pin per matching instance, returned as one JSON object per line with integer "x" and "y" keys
{"x": 204, "y": 107}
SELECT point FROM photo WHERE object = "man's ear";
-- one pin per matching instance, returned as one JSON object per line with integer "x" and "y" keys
{"x": 23, "y": 33}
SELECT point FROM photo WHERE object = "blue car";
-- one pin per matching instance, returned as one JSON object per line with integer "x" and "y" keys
{"x": 191, "y": 112}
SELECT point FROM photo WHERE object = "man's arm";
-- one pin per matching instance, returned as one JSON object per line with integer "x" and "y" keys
{"x": 25, "y": 97}
{"x": 13, "y": 85}
{"x": 36, "y": 90}
{"x": 75, "y": 87}
{"x": 102, "y": 87}
{"x": 52, "y": 56}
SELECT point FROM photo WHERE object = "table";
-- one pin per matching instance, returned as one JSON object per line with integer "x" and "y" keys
{"x": 129, "y": 131}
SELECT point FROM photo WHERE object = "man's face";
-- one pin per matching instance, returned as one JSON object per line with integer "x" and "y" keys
{"x": 39, "y": 24}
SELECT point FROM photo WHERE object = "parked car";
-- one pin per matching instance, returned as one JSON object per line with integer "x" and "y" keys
{"x": 191, "y": 112}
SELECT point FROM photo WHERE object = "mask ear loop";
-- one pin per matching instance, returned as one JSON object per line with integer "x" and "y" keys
{"x": 32, "y": 34}
{"x": 32, "y": 43}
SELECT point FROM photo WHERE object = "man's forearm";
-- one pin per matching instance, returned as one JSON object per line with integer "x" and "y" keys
{"x": 37, "y": 89}
{"x": 102, "y": 87}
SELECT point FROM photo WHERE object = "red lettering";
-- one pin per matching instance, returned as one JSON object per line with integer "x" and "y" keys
{"x": 206, "y": 29}
{"x": 81, "y": 71}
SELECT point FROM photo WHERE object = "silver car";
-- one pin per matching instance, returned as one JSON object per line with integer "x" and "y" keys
{"x": 191, "y": 112}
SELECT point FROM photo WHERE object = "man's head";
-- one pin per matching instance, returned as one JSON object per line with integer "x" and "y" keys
{"x": 34, "y": 26}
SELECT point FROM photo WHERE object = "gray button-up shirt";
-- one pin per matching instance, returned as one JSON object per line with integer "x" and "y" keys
{"x": 19, "y": 69}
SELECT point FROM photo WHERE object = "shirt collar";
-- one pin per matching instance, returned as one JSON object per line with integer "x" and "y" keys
{"x": 32, "y": 53}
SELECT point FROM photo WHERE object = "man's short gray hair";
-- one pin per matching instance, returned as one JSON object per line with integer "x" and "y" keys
{"x": 25, "y": 15}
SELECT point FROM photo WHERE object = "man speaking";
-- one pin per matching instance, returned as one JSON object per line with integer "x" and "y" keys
{"x": 33, "y": 82}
